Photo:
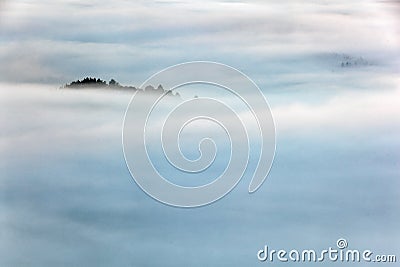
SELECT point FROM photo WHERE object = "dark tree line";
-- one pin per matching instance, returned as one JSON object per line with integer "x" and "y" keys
{"x": 90, "y": 82}
{"x": 97, "y": 83}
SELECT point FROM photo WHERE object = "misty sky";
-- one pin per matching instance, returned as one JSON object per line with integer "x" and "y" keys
{"x": 53, "y": 42}
{"x": 66, "y": 196}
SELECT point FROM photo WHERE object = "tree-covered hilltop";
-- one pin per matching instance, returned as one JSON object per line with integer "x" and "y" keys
{"x": 90, "y": 82}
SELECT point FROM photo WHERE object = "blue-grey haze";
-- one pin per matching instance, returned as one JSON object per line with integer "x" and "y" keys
{"x": 66, "y": 196}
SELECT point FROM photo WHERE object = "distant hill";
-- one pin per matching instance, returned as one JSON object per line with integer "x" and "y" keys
{"x": 90, "y": 82}
{"x": 350, "y": 61}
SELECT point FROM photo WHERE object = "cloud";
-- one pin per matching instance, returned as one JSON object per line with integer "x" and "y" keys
{"x": 66, "y": 195}
{"x": 72, "y": 39}
{"x": 65, "y": 189}
{"x": 346, "y": 112}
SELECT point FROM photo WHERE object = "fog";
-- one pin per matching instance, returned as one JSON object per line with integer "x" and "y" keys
{"x": 328, "y": 71}
{"x": 68, "y": 199}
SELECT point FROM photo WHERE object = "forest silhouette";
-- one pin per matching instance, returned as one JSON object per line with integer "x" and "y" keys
{"x": 90, "y": 82}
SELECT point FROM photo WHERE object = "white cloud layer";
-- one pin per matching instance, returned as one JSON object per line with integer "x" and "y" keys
{"x": 49, "y": 42}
